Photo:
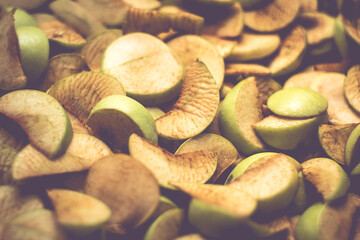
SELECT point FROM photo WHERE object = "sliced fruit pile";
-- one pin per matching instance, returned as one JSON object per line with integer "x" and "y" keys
{"x": 179, "y": 119}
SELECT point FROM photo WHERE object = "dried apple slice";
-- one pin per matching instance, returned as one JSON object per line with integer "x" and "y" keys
{"x": 192, "y": 236}
{"x": 192, "y": 47}
{"x": 42, "y": 117}
{"x": 149, "y": 71}
{"x": 224, "y": 46}
{"x": 253, "y": 46}
{"x": 133, "y": 202}
{"x": 22, "y": 3}
{"x": 303, "y": 79}
{"x": 266, "y": 87}
{"x": 11, "y": 134}
{"x": 350, "y": 29}
{"x": 196, "y": 107}
{"x": 83, "y": 151}
{"x": 164, "y": 205}
{"x": 78, "y": 212}
{"x": 308, "y": 6}
{"x": 351, "y": 87}
{"x": 272, "y": 17}
{"x": 245, "y": 70}
{"x": 196, "y": 166}
{"x": 7, "y": 155}
{"x": 318, "y": 172}
{"x": 291, "y": 52}
{"x": 12, "y": 76}
{"x": 351, "y": 150}
{"x": 239, "y": 111}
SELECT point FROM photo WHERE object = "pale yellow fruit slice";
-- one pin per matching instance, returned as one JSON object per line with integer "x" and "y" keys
{"x": 164, "y": 205}
{"x": 224, "y": 46}
{"x": 192, "y": 47}
{"x": 42, "y": 118}
{"x": 351, "y": 87}
{"x": 196, "y": 107}
{"x": 303, "y": 79}
{"x": 78, "y": 126}
{"x": 308, "y": 6}
{"x": 253, "y": 46}
{"x": 149, "y": 71}
{"x": 272, "y": 17}
{"x": 291, "y": 52}
{"x": 337, "y": 67}
{"x": 127, "y": 187}
{"x": 144, "y": 4}
{"x": 195, "y": 167}
{"x": 83, "y": 151}
{"x": 193, "y": 236}
{"x": 78, "y": 212}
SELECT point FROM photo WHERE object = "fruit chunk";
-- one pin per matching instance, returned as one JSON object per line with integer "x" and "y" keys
{"x": 42, "y": 117}
{"x": 351, "y": 150}
{"x": 195, "y": 167}
{"x": 351, "y": 87}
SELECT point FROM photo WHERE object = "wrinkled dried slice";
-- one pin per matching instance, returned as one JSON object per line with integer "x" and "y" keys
{"x": 196, "y": 107}
{"x": 350, "y": 28}
{"x": 133, "y": 202}
{"x": 78, "y": 212}
{"x": 333, "y": 139}
{"x": 352, "y": 87}
{"x": 12, "y": 75}
{"x": 223, "y": 148}
{"x": 303, "y": 79}
{"x": 83, "y": 151}
{"x": 149, "y": 71}
{"x": 291, "y": 52}
{"x": 281, "y": 228}
{"x": 224, "y": 46}
{"x": 11, "y": 134}
{"x": 192, "y": 47}
{"x": 42, "y": 117}
{"x": 77, "y": 17}
{"x": 308, "y": 6}
{"x": 273, "y": 17}
{"x": 195, "y": 167}
{"x": 79, "y": 93}
{"x": 328, "y": 177}
{"x": 24, "y": 4}
{"x": 245, "y": 70}
{"x": 166, "y": 226}
{"x": 96, "y": 45}
{"x": 78, "y": 126}
{"x": 254, "y": 46}
{"x": 7, "y": 155}
{"x": 266, "y": 87}
{"x": 58, "y": 31}
{"x": 61, "y": 66}
{"x": 352, "y": 150}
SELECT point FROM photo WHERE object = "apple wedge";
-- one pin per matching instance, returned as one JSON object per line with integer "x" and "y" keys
{"x": 42, "y": 117}
{"x": 11, "y": 134}
{"x": 164, "y": 205}
{"x": 195, "y": 167}
{"x": 351, "y": 90}
{"x": 224, "y": 46}
{"x": 241, "y": 71}
{"x": 352, "y": 150}
{"x": 196, "y": 107}
{"x": 7, "y": 155}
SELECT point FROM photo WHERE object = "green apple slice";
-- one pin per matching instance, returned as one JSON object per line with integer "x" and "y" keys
{"x": 341, "y": 41}
{"x": 318, "y": 172}
{"x": 302, "y": 197}
{"x": 223, "y": 148}
{"x": 224, "y": 46}
{"x": 245, "y": 70}
{"x": 267, "y": 87}
{"x": 272, "y": 17}
{"x": 351, "y": 147}
{"x": 189, "y": 48}
{"x": 297, "y": 103}
{"x": 133, "y": 202}
{"x": 288, "y": 133}
{"x": 273, "y": 188}
{"x": 83, "y": 151}
{"x": 22, "y": 17}
{"x": 350, "y": 29}
{"x": 149, "y": 71}
{"x": 116, "y": 117}
{"x": 333, "y": 139}
{"x": 291, "y": 52}
{"x": 239, "y": 111}
{"x": 42, "y": 118}
{"x": 196, "y": 107}
{"x": 252, "y": 46}
{"x": 197, "y": 166}
{"x": 164, "y": 205}
{"x": 351, "y": 90}
{"x": 78, "y": 212}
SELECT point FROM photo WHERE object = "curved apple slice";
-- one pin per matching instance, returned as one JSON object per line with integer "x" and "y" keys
{"x": 196, "y": 166}
{"x": 351, "y": 87}
{"x": 78, "y": 212}
{"x": 42, "y": 117}
{"x": 83, "y": 151}
{"x": 192, "y": 236}
{"x": 352, "y": 150}
{"x": 304, "y": 79}
{"x": 7, "y": 155}
{"x": 245, "y": 70}
{"x": 127, "y": 187}
{"x": 196, "y": 107}
{"x": 11, "y": 134}
{"x": 224, "y": 46}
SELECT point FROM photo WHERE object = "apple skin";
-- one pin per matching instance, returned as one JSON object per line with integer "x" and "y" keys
{"x": 307, "y": 227}
{"x": 350, "y": 146}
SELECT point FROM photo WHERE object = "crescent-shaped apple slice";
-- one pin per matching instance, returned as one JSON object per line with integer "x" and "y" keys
{"x": 42, "y": 117}
{"x": 196, "y": 107}
{"x": 195, "y": 167}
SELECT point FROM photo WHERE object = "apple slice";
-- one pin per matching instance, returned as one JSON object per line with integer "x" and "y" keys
{"x": 83, "y": 151}
{"x": 351, "y": 150}
{"x": 351, "y": 90}
{"x": 303, "y": 79}
{"x": 196, "y": 166}
{"x": 192, "y": 236}
{"x": 164, "y": 205}
{"x": 42, "y": 117}
{"x": 196, "y": 107}
{"x": 11, "y": 134}
{"x": 133, "y": 202}
{"x": 224, "y": 46}
{"x": 318, "y": 172}
{"x": 239, "y": 111}
{"x": 22, "y": 3}
{"x": 245, "y": 70}
{"x": 78, "y": 212}
{"x": 7, "y": 155}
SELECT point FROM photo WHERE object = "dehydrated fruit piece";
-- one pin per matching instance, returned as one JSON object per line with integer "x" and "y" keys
{"x": 11, "y": 134}
{"x": 351, "y": 87}
{"x": 352, "y": 150}
{"x": 7, "y": 155}
{"x": 24, "y": 4}
{"x": 245, "y": 70}
{"x": 224, "y": 46}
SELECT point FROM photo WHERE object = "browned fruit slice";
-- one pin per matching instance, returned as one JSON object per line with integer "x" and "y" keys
{"x": 339, "y": 67}
{"x": 7, "y": 155}
{"x": 195, "y": 167}
{"x": 291, "y": 52}
{"x": 308, "y": 6}
{"x": 266, "y": 87}
{"x": 83, "y": 151}
{"x": 78, "y": 126}
{"x": 12, "y": 75}
{"x": 350, "y": 28}
{"x": 60, "y": 66}
{"x": 78, "y": 212}
{"x": 196, "y": 107}
{"x": 24, "y": 4}
{"x": 333, "y": 140}
{"x": 351, "y": 87}
{"x": 272, "y": 17}
{"x": 192, "y": 47}
{"x": 96, "y": 45}
{"x": 224, "y": 46}
{"x": 11, "y": 134}
{"x": 133, "y": 202}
